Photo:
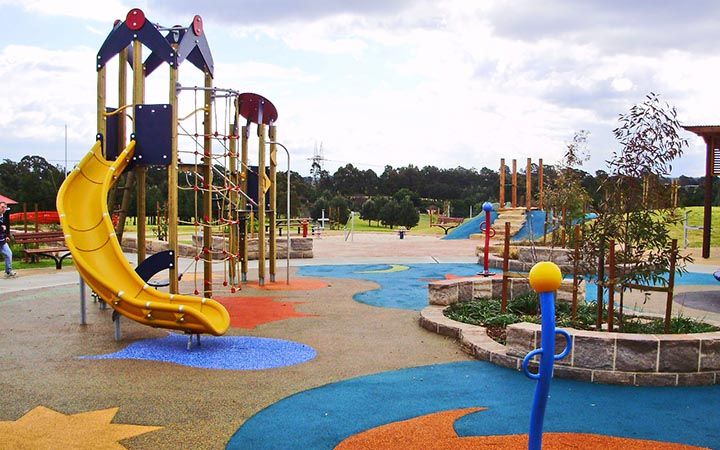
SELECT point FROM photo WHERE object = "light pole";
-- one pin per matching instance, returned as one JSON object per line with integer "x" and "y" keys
{"x": 287, "y": 212}
{"x": 65, "y": 169}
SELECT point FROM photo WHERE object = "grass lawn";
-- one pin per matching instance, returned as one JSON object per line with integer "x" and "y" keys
{"x": 695, "y": 218}
{"x": 423, "y": 227}
{"x": 18, "y": 263}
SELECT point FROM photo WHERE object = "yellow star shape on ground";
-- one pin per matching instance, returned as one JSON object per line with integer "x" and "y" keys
{"x": 43, "y": 428}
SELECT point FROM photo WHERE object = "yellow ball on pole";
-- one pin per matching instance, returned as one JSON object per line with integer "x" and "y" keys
{"x": 545, "y": 276}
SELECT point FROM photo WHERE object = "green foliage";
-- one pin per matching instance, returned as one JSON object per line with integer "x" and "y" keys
{"x": 486, "y": 312}
{"x": 566, "y": 192}
{"x": 635, "y": 210}
{"x": 678, "y": 325}
{"x": 389, "y": 213}
{"x": 369, "y": 211}
{"x": 32, "y": 180}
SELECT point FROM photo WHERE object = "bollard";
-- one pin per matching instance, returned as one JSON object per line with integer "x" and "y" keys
{"x": 304, "y": 228}
{"x": 545, "y": 278}
{"x": 489, "y": 232}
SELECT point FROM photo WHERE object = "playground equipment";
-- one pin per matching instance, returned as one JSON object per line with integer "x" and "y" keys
{"x": 711, "y": 136}
{"x": 528, "y": 184}
{"x": 489, "y": 232}
{"x": 545, "y": 278}
{"x": 229, "y": 196}
{"x": 89, "y": 234}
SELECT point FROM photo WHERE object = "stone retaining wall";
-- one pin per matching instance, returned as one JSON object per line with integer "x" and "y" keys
{"x": 447, "y": 292}
{"x": 526, "y": 257}
{"x": 300, "y": 248}
{"x": 596, "y": 357}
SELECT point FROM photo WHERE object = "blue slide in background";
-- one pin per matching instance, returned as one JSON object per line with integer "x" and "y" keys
{"x": 471, "y": 226}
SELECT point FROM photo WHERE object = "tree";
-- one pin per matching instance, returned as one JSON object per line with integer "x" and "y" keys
{"x": 339, "y": 209}
{"x": 389, "y": 213}
{"x": 566, "y": 195}
{"x": 369, "y": 211}
{"x": 380, "y": 203}
{"x": 635, "y": 210}
{"x": 407, "y": 214}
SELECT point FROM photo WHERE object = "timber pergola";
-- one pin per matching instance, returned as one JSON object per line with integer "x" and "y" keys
{"x": 711, "y": 135}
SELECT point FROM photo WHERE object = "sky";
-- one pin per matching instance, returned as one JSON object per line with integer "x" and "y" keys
{"x": 382, "y": 82}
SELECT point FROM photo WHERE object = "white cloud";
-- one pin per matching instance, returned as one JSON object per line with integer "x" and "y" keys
{"x": 106, "y": 10}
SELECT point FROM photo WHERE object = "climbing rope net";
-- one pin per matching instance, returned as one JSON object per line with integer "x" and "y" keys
{"x": 229, "y": 203}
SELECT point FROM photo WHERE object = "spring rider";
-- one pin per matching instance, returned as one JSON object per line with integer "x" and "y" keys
{"x": 489, "y": 232}
{"x": 545, "y": 279}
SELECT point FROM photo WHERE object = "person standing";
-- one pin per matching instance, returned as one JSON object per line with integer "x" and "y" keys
{"x": 5, "y": 240}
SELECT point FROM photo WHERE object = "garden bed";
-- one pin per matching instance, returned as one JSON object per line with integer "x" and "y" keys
{"x": 597, "y": 356}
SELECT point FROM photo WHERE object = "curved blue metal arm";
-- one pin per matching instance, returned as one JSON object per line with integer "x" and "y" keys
{"x": 545, "y": 369}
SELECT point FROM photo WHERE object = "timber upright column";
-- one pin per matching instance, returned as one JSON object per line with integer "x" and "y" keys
{"x": 172, "y": 174}
{"x": 528, "y": 185}
{"x": 208, "y": 191}
{"x": 514, "y": 183}
{"x": 261, "y": 204}
{"x": 140, "y": 170}
{"x": 233, "y": 209}
{"x": 502, "y": 183}
{"x": 272, "y": 135}
{"x": 244, "y": 188}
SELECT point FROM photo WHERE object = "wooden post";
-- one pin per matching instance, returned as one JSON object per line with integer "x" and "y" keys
{"x": 540, "y": 184}
{"x": 172, "y": 178}
{"x": 576, "y": 279}
{"x": 37, "y": 221}
{"x": 611, "y": 285}
{"x": 122, "y": 122}
{"x": 138, "y": 99}
{"x": 272, "y": 135}
{"x": 25, "y": 221}
{"x": 502, "y": 183}
{"x": 207, "y": 162}
{"x": 514, "y": 183}
{"x": 528, "y": 185}
{"x": 261, "y": 204}
{"x": 233, "y": 209}
{"x": 244, "y": 188}
{"x": 506, "y": 268}
{"x": 101, "y": 104}
{"x": 707, "y": 209}
{"x": 670, "y": 287}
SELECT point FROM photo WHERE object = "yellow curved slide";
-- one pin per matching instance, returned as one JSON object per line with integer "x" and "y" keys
{"x": 90, "y": 236}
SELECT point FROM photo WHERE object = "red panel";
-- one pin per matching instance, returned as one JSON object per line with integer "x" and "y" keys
{"x": 197, "y": 25}
{"x": 250, "y": 105}
{"x": 135, "y": 19}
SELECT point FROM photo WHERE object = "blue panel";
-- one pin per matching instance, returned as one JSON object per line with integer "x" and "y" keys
{"x": 155, "y": 264}
{"x": 153, "y": 135}
{"x": 252, "y": 183}
{"x": 119, "y": 38}
{"x": 111, "y": 135}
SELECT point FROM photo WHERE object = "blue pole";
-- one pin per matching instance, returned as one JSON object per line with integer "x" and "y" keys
{"x": 545, "y": 278}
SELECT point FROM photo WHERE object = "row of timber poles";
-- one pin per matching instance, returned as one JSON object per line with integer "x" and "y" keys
{"x": 180, "y": 44}
{"x": 606, "y": 281}
{"x": 514, "y": 184}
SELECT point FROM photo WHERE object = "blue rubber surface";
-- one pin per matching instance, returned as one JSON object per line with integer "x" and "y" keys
{"x": 403, "y": 289}
{"x": 217, "y": 352}
{"x": 321, "y": 418}
{"x": 408, "y": 289}
{"x": 471, "y": 226}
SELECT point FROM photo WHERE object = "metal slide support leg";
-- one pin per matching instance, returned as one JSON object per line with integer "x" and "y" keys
{"x": 83, "y": 307}
{"x": 118, "y": 333}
